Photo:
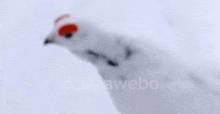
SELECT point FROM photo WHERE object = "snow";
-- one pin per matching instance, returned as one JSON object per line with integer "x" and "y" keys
{"x": 35, "y": 79}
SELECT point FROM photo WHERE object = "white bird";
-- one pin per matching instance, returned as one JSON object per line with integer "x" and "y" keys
{"x": 141, "y": 77}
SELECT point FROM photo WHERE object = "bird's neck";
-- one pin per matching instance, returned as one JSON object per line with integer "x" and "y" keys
{"x": 110, "y": 52}
{"x": 103, "y": 49}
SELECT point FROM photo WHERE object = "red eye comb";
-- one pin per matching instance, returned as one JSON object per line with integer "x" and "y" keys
{"x": 62, "y": 17}
{"x": 69, "y": 28}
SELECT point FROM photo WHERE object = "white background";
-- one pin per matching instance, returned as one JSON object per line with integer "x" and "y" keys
{"x": 35, "y": 79}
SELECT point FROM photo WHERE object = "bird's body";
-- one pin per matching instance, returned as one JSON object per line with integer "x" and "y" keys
{"x": 142, "y": 78}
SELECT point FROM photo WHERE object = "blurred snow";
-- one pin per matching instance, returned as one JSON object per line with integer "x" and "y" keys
{"x": 49, "y": 80}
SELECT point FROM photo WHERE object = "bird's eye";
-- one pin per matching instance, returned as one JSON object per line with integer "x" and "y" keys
{"x": 67, "y": 31}
{"x": 68, "y": 35}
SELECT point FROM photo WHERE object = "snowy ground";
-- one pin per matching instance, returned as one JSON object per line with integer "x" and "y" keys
{"x": 35, "y": 79}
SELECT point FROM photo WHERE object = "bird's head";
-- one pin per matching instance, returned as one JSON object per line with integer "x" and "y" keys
{"x": 71, "y": 33}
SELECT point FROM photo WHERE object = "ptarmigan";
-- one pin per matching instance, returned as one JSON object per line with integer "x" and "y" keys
{"x": 140, "y": 79}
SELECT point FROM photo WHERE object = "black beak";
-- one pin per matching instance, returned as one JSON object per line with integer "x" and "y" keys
{"x": 47, "y": 41}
